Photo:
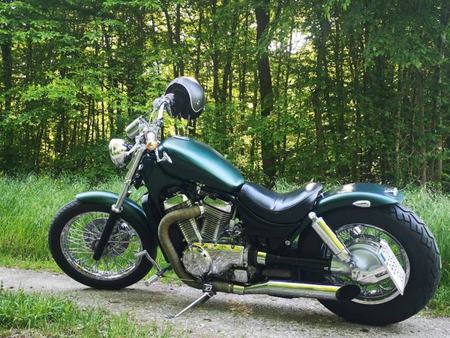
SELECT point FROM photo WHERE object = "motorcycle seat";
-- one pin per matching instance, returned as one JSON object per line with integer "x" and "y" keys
{"x": 287, "y": 208}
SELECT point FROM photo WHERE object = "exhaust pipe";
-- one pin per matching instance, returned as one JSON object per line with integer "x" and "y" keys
{"x": 271, "y": 287}
{"x": 294, "y": 290}
{"x": 164, "y": 239}
{"x": 171, "y": 254}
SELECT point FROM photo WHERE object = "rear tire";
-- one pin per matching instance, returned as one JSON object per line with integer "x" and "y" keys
{"x": 420, "y": 247}
{"x": 68, "y": 213}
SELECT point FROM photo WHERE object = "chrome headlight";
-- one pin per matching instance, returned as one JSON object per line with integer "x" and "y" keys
{"x": 118, "y": 152}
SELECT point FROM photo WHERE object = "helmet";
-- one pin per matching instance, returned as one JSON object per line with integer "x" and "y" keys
{"x": 188, "y": 97}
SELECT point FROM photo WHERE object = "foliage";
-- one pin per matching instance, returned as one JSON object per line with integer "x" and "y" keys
{"x": 29, "y": 204}
{"x": 27, "y": 208}
{"x": 37, "y": 314}
{"x": 355, "y": 90}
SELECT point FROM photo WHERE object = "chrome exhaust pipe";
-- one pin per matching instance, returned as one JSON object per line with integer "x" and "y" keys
{"x": 294, "y": 290}
{"x": 271, "y": 287}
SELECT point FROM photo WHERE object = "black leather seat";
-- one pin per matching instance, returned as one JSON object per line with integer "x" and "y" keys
{"x": 286, "y": 208}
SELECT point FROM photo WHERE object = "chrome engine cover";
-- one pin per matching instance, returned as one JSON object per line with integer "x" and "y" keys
{"x": 202, "y": 259}
{"x": 214, "y": 247}
{"x": 196, "y": 261}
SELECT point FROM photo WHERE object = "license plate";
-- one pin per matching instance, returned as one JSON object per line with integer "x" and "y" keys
{"x": 392, "y": 265}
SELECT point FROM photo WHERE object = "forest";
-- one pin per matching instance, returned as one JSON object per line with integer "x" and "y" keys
{"x": 304, "y": 90}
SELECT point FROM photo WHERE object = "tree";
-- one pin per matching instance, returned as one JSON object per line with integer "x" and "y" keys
{"x": 262, "y": 14}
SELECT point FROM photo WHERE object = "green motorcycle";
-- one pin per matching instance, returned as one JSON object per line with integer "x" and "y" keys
{"x": 356, "y": 249}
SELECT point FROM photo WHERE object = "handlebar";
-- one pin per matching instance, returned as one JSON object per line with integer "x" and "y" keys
{"x": 162, "y": 104}
{"x": 147, "y": 134}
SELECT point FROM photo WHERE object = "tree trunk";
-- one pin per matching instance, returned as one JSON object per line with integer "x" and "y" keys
{"x": 422, "y": 160}
{"x": 262, "y": 14}
{"x": 179, "y": 52}
{"x": 439, "y": 121}
{"x": 320, "y": 95}
{"x": 6, "y": 47}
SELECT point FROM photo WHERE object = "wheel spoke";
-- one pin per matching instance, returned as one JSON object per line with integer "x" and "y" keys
{"x": 80, "y": 235}
{"x": 370, "y": 236}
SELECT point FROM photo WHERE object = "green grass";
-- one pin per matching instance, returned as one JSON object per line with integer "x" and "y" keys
{"x": 33, "y": 314}
{"x": 27, "y": 206}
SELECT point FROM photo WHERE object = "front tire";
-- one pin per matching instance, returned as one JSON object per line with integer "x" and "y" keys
{"x": 75, "y": 257}
{"x": 421, "y": 250}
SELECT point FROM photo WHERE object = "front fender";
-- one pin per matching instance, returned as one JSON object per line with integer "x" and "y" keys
{"x": 346, "y": 195}
{"x": 131, "y": 209}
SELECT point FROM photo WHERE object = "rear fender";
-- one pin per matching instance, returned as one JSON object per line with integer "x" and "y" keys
{"x": 366, "y": 195}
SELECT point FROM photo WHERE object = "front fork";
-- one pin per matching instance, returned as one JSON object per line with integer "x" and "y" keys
{"x": 117, "y": 207}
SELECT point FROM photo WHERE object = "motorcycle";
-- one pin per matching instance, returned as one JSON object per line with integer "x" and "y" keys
{"x": 356, "y": 249}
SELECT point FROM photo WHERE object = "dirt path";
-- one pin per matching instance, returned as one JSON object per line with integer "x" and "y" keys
{"x": 224, "y": 315}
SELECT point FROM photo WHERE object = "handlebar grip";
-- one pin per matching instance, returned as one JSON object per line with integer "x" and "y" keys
{"x": 167, "y": 101}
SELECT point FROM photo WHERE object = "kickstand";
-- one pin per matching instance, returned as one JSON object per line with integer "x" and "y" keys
{"x": 208, "y": 293}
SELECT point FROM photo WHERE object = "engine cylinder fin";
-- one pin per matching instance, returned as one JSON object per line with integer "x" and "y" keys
{"x": 214, "y": 223}
{"x": 188, "y": 227}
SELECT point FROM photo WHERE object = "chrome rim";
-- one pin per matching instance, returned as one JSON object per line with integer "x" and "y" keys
{"x": 358, "y": 236}
{"x": 120, "y": 258}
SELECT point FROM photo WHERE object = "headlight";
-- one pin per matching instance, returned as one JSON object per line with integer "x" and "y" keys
{"x": 118, "y": 152}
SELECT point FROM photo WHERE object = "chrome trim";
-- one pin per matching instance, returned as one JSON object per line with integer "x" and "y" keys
{"x": 362, "y": 204}
{"x": 164, "y": 158}
{"x": 118, "y": 206}
{"x": 221, "y": 247}
{"x": 339, "y": 267}
{"x": 145, "y": 254}
{"x": 114, "y": 264}
{"x": 290, "y": 289}
{"x": 370, "y": 235}
{"x": 238, "y": 289}
{"x": 118, "y": 152}
{"x": 274, "y": 288}
{"x": 391, "y": 191}
{"x": 132, "y": 130}
{"x": 330, "y": 238}
{"x": 261, "y": 258}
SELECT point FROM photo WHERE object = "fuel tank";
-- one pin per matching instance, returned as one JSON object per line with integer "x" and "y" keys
{"x": 196, "y": 162}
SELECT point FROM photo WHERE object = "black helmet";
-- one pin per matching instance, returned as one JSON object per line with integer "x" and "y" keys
{"x": 188, "y": 97}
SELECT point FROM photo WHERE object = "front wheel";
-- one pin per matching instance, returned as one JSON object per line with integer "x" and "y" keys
{"x": 411, "y": 241}
{"x": 74, "y": 234}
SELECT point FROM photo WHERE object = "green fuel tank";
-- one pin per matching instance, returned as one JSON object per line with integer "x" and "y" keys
{"x": 196, "y": 162}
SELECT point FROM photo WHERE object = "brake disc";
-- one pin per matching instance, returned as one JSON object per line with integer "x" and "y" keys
{"x": 118, "y": 242}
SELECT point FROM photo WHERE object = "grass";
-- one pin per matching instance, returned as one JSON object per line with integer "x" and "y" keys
{"x": 27, "y": 206}
{"x": 36, "y": 315}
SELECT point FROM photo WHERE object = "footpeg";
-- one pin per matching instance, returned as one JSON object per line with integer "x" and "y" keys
{"x": 159, "y": 271}
{"x": 157, "y": 275}
{"x": 145, "y": 254}
{"x": 208, "y": 293}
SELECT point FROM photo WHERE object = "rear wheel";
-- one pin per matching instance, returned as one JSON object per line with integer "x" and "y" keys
{"x": 414, "y": 246}
{"x": 73, "y": 236}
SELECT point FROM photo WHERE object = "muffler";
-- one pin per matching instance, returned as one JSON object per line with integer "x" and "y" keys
{"x": 294, "y": 290}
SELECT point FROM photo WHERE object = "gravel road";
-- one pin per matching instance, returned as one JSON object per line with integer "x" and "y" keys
{"x": 224, "y": 315}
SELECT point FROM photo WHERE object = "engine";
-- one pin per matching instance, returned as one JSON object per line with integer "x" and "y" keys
{"x": 215, "y": 247}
